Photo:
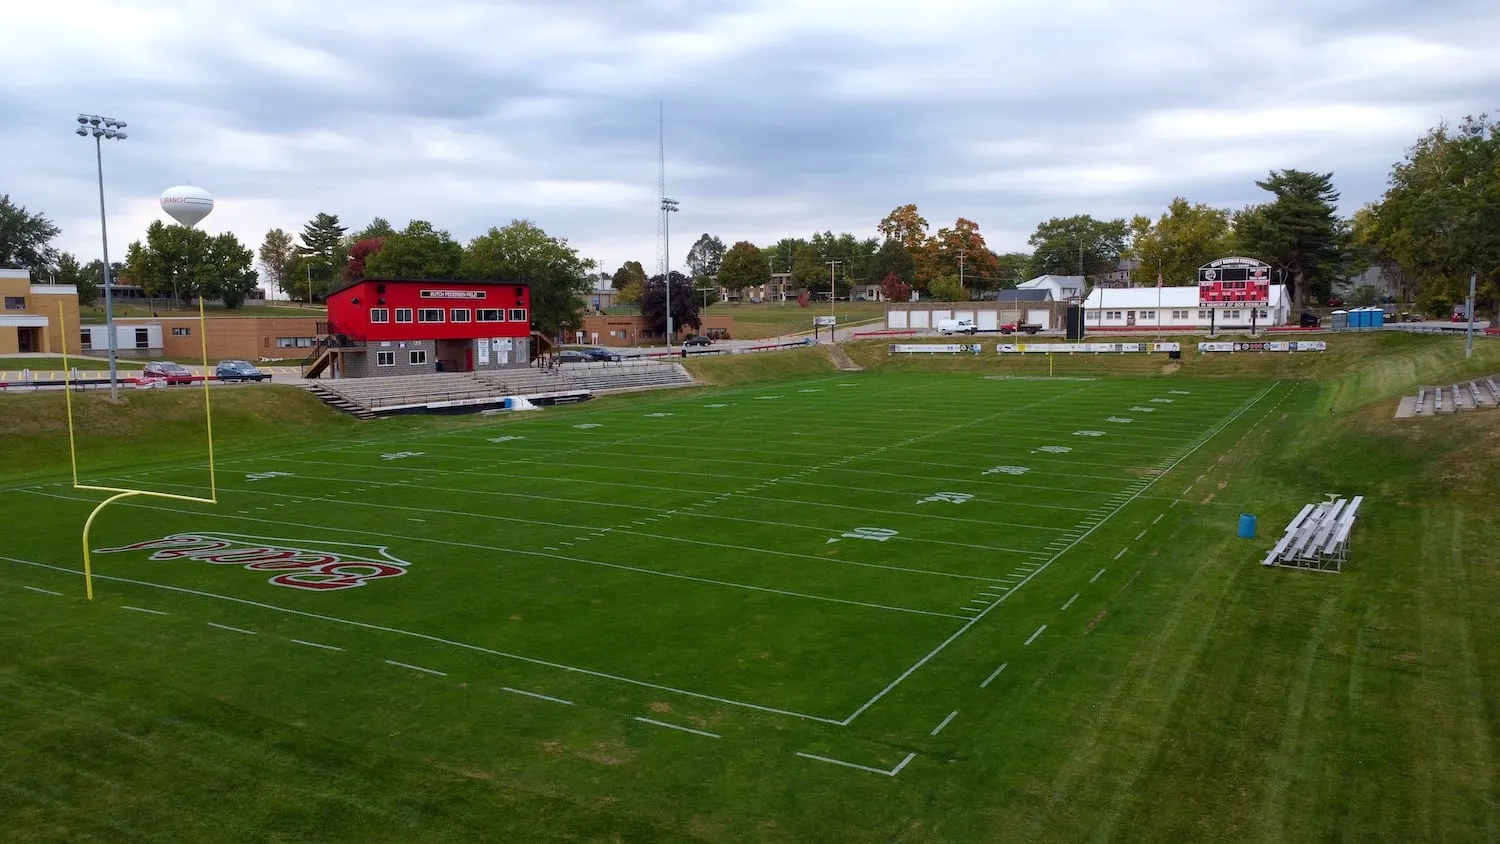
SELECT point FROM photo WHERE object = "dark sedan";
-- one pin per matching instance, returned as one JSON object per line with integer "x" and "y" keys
{"x": 239, "y": 370}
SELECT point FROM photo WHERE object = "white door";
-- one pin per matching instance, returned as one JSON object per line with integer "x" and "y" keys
{"x": 988, "y": 320}
{"x": 895, "y": 320}
{"x": 919, "y": 319}
{"x": 963, "y": 315}
{"x": 939, "y": 316}
{"x": 1039, "y": 316}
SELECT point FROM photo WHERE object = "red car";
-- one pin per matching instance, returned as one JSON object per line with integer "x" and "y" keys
{"x": 172, "y": 373}
{"x": 1459, "y": 315}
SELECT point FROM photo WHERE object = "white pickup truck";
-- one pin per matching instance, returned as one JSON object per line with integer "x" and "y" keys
{"x": 957, "y": 326}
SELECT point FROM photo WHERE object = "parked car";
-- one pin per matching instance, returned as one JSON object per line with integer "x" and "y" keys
{"x": 697, "y": 340}
{"x": 596, "y": 353}
{"x": 240, "y": 370}
{"x": 571, "y": 356}
{"x": 1020, "y": 328}
{"x": 1459, "y": 315}
{"x": 172, "y": 373}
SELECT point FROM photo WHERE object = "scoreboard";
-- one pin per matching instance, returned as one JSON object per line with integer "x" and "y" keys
{"x": 1234, "y": 282}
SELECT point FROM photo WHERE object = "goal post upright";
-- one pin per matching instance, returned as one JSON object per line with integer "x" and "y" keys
{"x": 122, "y": 492}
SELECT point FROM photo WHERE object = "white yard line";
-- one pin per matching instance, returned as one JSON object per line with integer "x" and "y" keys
{"x": 142, "y": 609}
{"x": 536, "y": 695}
{"x": 41, "y": 590}
{"x": 993, "y": 675}
{"x": 678, "y": 727}
{"x": 1071, "y": 600}
{"x": 416, "y": 668}
{"x": 939, "y": 727}
{"x": 891, "y": 773}
{"x": 1036, "y": 634}
{"x": 1097, "y": 575}
{"x": 316, "y": 645}
{"x": 231, "y": 629}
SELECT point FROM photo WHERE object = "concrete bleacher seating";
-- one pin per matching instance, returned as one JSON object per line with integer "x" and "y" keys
{"x": 368, "y": 397}
{"x": 1478, "y": 394}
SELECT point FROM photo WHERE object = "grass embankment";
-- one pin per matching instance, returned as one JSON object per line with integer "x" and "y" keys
{"x": 55, "y": 364}
{"x": 95, "y": 313}
{"x": 155, "y": 425}
{"x": 752, "y": 322}
{"x": 1358, "y": 368}
{"x": 724, "y": 370}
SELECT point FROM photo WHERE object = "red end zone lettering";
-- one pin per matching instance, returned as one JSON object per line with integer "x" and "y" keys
{"x": 304, "y": 565}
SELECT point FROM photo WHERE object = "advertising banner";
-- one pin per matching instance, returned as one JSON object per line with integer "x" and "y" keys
{"x": 1089, "y": 348}
{"x": 935, "y": 348}
{"x": 1266, "y": 346}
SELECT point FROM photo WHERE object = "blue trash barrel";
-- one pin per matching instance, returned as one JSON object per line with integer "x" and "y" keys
{"x": 1247, "y": 526}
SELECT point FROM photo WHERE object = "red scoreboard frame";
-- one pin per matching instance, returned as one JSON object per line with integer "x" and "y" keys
{"x": 1234, "y": 282}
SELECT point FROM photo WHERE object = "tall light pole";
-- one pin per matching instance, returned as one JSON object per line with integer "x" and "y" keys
{"x": 101, "y": 128}
{"x": 668, "y": 207}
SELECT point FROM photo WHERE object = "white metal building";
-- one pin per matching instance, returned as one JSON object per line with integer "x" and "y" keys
{"x": 1176, "y": 307}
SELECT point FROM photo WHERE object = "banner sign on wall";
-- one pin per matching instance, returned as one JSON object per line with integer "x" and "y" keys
{"x": 1267, "y": 346}
{"x": 936, "y": 348}
{"x": 1093, "y": 348}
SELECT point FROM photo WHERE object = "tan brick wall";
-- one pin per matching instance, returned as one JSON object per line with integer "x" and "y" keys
{"x": 245, "y": 338}
{"x": 44, "y": 305}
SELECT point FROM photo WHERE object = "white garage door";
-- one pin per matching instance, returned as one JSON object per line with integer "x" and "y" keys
{"x": 962, "y": 315}
{"x": 919, "y": 320}
{"x": 989, "y": 320}
{"x": 1039, "y": 316}
{"x": 939, "y": 316}
{"x": 895, "y": 320}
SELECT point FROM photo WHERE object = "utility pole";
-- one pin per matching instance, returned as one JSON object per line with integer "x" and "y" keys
{"x": 832, "y": 270}
{"x": 1469, "y": 342}
{"x": 962, "y": 254}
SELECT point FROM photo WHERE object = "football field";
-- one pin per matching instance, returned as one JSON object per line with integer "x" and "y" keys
{"x": 718, "y": 563}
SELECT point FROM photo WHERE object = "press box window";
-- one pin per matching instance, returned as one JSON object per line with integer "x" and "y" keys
{"x": 385, "y": 358}
{"x": 88, "y": 339}
{"x": 517, "y": 314}
{"x": 491, "y": 315}
{"x": 403, "y": 314}
{"x": 142, "y": 339}
{"x": 15, "y": 303}
{"x": 430, "y": 315}
{"x": 460, "y": 315}
{"x": 380, "y": 315}
{"x": 182, "y": 332}
{"x": 418, "y": 357}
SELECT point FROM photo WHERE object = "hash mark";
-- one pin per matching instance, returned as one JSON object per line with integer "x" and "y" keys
{"x": 536, "y": 695}
{"x": 41, "y": 590}
{"x": 316, "y": 645}
{"x": 678, "y": 727}
{"x": 1036, "y": 634}
{"x": 140, "y": 609}
{"x": 412, "y": 667}
{"x": 939, "y": 727}
{"x": 993, "y": 675}
{"x": 231, "y": 629}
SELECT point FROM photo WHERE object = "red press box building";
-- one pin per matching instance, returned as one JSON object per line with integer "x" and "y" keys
{"x": 396, "y": 326}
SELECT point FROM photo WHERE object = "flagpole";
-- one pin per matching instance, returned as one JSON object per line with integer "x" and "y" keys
{"x": 1158, "y": 300}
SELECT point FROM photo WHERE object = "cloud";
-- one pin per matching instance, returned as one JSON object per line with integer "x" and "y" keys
{"x": 784, "y": 118}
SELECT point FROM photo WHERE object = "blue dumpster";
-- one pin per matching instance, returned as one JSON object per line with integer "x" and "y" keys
{"x": 1247, "y": 526}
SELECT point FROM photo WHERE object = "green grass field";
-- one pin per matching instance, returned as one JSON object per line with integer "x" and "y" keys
{"x": 901, "y": 604}
{"x": 94, "y": 314}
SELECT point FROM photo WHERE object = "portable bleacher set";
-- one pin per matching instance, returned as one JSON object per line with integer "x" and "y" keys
{"x": 1479, "y": 394}
{"x": 1318, "y": 537}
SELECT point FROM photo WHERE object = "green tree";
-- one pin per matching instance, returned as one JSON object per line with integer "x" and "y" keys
{"x": 781, "y": 257}
{"x": 323, "y": 255}
{"x": 1299, "y": 232}
{"x": 630, "y": 272}
{"x": 1184, "y": 238}
{"x": 69, "y": 271}
{"x": 93, "y": 274}
{"x": 522, "y": 251}
{"x": 378, "y": 227}
{"x": 26, "y": 238}
{"x": 1070, "y": 246}
{"x": 945, "y": 288}
{"x": 227, "y": 272}
{"x": 1011, "y": 269}
{"x": 704, "y": 258}
{"x": 685, "y": 303}
{"x": 1440, "y": 217}
{"x": 186, "y": 263}
{"x": 417, "y": 251}
{"x": 960, "y": 251}
{"x": 808, "y": 270}
{"x": 742, "y": 267}
{"x": 630, "y": 294}
{"x": 892, "y": 259}
{"x": 278, "y": 259}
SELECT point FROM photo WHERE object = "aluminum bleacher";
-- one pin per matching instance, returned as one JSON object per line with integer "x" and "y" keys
{"x": 1317, "y": 538}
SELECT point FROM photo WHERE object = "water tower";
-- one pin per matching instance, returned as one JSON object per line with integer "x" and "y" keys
{"x": 186, "y": 204}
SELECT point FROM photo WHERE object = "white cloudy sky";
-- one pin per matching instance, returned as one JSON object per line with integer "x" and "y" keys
{"x": 782, "y": 117}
